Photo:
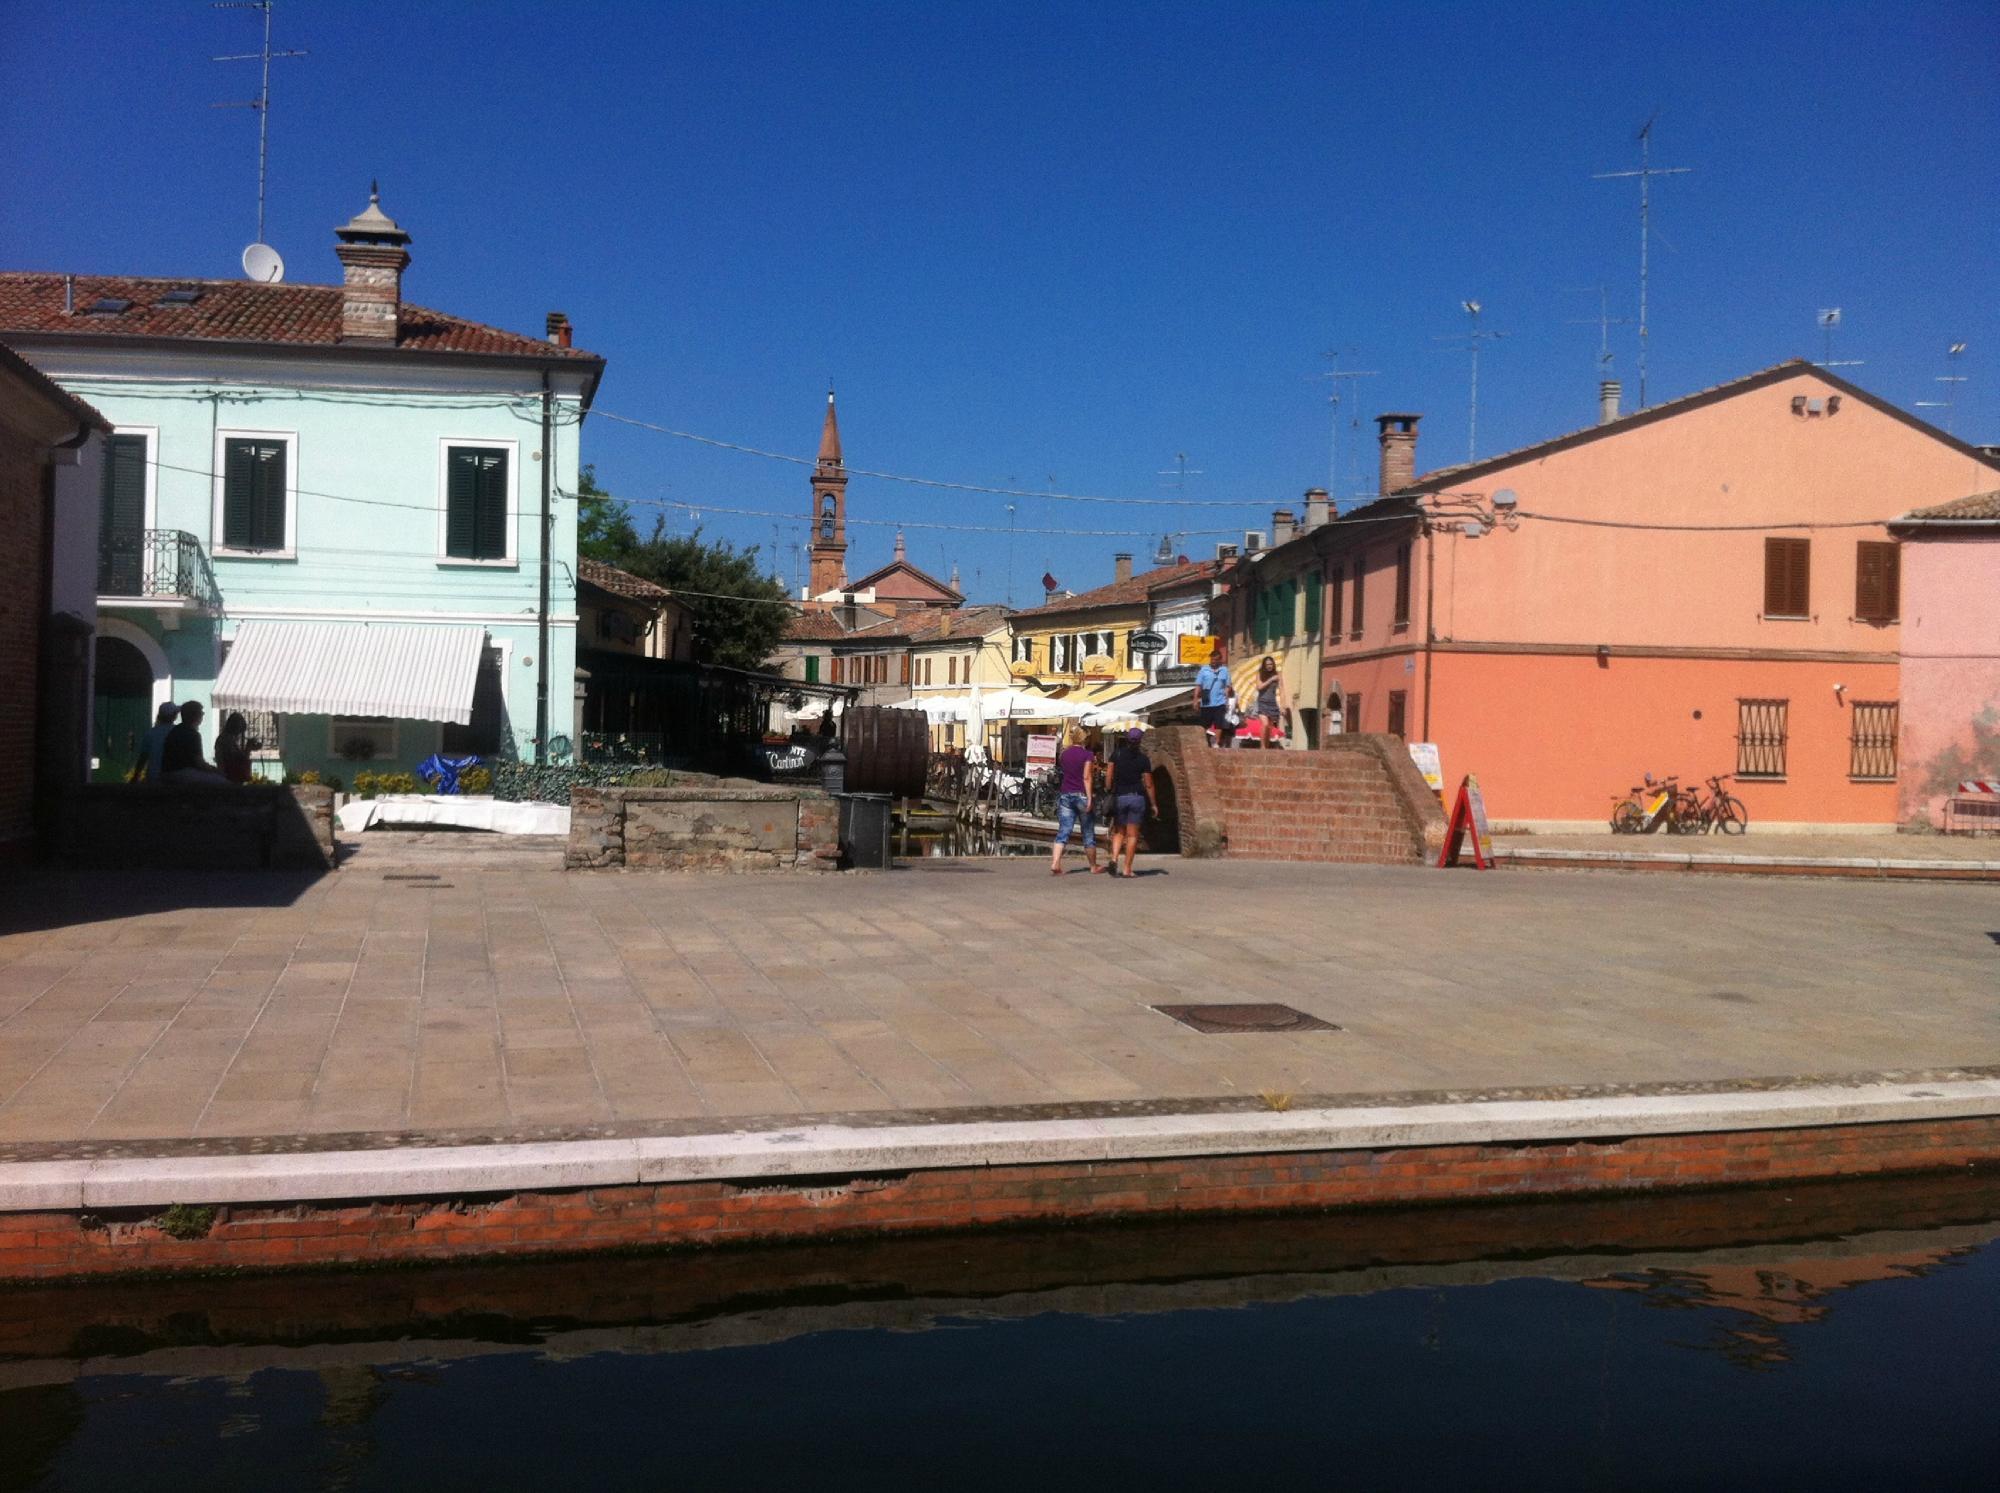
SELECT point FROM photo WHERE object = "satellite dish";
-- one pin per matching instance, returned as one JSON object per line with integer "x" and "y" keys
{"x": 262, "y": 264}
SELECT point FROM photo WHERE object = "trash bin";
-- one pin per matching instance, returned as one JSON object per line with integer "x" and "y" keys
{"x": 864, "y": 830}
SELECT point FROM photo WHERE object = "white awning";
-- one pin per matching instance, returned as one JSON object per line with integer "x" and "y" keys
{"x": 1142, "y": 701}
{"x": 405, "y": 671}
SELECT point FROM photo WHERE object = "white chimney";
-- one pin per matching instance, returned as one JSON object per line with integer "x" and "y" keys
{"x": 1316, "y": 507}
{"x": 1608, "y": 393}
{"x": 1281, "y": 526}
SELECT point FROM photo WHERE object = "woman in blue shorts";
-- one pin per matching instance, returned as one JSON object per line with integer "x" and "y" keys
{"x": 1132, "y": 798}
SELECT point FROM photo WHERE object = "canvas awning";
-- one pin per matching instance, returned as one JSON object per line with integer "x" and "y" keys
{"x": 1144, "y": 700}
{"x": 405, "y": 671}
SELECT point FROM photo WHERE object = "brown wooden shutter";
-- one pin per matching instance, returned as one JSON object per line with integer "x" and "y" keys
{"x": 906, "y": 669}
{"x": 1334, "y": 600}
{"x": 1877, "y": 581}
{"x": 1787, "y": 577}
{"x": 1402, "y": 587}
{"x": 836, "y": 669}
{"x": 1360, "y": 581}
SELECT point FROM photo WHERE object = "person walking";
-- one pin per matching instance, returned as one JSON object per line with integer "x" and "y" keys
{"x": 1272, "y": 705}
{"x": 1077, "y": 775}
{"x": 152, "y": 743}
{"x": 1132, "y": 798}
{"x": 1215, "y": 695}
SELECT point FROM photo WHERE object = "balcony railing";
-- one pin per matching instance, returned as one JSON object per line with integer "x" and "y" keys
{"x": 157, "y": 565}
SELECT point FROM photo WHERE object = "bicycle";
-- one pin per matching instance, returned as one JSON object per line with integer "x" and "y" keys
{"x": 1655, "y": 804}
{"x": 1721, "y": 812}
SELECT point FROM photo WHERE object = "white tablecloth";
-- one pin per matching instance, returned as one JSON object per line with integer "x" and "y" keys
{"x": 458, "y": 810}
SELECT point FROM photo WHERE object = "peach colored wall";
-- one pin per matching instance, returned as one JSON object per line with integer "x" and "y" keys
{"x": 1951, "y": 665}
{"x": 1557, "y": 737}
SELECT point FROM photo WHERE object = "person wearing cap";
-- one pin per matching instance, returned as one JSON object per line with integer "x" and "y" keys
{"x": 1132, "y": 798}
{"x": 153, "y": 743}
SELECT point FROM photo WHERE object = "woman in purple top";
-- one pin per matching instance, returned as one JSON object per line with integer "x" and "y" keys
{"x": 1077, "y": 772}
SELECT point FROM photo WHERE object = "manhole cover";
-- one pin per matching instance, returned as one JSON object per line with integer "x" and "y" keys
{"x": 1246, "y": 1018}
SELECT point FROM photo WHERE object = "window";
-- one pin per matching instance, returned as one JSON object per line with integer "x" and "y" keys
{"x": 1360, "y": 579}
{"x": 836, "y": 670}
{"x": 1402, "y": 617}
{"x": 1398, "y": 700}
{"x": 950, "y": 670}
{"x": 1871, "y": 741}
{"x": 812, "y": 668}
{"x": 364, "y": 738}
{"x": 903, "y": 675}
{"x": 1024, "y": 650}
{"x": 1878, "y": 581}
{"x": 480, "y": 736}
{"x": 1353, "y": 713}
{"x": 121, "y": 535}
{"x": 1760, "y": 738}
{"x": 1788, "y": 578}
{"x": 1334, "y": 587}
{"x": 1061, "y": 646}
{"x": 254, "y": 494}
{"x": 477, "y": 500}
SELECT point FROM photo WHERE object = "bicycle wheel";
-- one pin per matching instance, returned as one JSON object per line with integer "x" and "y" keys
{"x": 1730, "y": 815}
{"x": 1627, "y": 818}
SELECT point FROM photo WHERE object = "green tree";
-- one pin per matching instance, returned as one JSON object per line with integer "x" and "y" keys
{"x": 603, "y": 524}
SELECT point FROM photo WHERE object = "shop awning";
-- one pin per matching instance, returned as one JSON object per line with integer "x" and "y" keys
{"x": 1145, "y": 699}
{"x": 404, "y": 671}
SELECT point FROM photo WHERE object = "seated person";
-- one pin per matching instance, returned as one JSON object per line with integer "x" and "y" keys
{"x": 180, "y": 759}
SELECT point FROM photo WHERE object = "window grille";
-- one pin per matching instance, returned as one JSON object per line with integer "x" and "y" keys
{"x": 1760, "y": 738}
{"x": 1871, "y": 742}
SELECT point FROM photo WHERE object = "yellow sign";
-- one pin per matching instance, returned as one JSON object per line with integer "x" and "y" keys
{"x": 1022, "y": 668}
{"x": 1197, "y": 648}
{"x": 1100, "y": 665}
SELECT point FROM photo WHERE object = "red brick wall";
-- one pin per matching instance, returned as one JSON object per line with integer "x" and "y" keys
{"x": 55, "y": 1245}
{"x": 22, "y": 606}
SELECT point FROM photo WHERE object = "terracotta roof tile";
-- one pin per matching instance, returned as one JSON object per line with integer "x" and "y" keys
{"x": 968, "y": 623}
{"x": 619, "y": 582}
{"x": 240, "y": 311}
{"x": 1981, "y": 507}
{"x": 1124, "y": 593}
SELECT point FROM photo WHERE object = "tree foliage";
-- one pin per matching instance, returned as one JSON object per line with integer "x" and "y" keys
{"x": 734, "y": 611}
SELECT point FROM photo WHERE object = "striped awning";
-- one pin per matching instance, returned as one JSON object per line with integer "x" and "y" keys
{"x": 405, "y": 671}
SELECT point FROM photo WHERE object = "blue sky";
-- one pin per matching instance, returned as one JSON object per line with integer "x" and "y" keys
{"x": 1035, "y": 243}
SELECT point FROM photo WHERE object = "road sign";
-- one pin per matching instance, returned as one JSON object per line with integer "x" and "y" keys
{"x": 1468, "y": 817}
{"x": 1148, "y": 642}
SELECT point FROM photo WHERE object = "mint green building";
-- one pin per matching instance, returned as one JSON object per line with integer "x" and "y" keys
{"x": 323, "y": 506}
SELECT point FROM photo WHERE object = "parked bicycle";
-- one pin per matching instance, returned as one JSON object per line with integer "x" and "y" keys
{"x": 1721, "y": 812}
{"x": 1656, "y": 804}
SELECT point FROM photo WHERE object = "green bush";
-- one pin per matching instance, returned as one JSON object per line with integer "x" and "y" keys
{"x": 521, "y": 782}
{"x": 375, "y": 784}
{"x": 476, "y": 780}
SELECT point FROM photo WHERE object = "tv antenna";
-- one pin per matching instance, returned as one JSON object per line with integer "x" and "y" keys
{"x": 1646, "y": 172}
{"x": 1951, "y": 381}
{"x": 1336, "y": 374}
{"x": 1829, "y": 323}
{"x": 1180, "y": 471}
{"x": 1470, "y": 340}
{"x": 260, "y": 260}
{"x": 1604, "y": 321}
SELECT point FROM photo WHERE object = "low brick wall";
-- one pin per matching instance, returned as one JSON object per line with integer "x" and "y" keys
{"x": 54, "y": 1245}
{"x": 723, "y": 824}
{"x": 206, "y": 827}
{"x": 1358, "y": 799}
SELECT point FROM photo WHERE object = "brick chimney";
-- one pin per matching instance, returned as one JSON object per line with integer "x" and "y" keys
{"x": 1399, "y": 450}
{"x": 373, "y": 253}
{"x": 1121, "y": 568}
{"x": 1608, "y": 394}
{"x": 1316, "y": 507}
{"x": 559, "y": 329}
{"x": 1281, "y": 526}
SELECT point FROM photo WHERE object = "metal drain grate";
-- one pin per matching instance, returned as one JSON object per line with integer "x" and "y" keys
{"x": 1246, "y": 1018}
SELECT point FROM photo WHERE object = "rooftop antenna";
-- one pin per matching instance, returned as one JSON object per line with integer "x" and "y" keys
{"x": 1604, "y": 321}
{"x": 1180, "y": 471}
{"x": 260, "y": 260}
{"x": 1010, "y": 557}
{"x": 1951, "y": 381}
{"x": 1646, "y": 172}
{"x": 1336, "y": 374}
{"x": 1470, "y": 340}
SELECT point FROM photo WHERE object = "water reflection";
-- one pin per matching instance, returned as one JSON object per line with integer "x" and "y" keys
{"x": 1764, "y": 1339}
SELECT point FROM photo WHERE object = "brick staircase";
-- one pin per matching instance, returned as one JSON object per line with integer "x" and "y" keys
{"x": 1358, "y": 800}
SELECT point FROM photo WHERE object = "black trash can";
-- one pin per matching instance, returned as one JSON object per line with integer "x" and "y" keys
{"x": 864, "y": 830}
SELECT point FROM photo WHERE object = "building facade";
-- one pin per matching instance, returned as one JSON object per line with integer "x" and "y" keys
{"x": 322, "y": 505}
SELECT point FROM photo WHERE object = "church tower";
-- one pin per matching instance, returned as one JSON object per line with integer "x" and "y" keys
{"x": 829, "y": 510}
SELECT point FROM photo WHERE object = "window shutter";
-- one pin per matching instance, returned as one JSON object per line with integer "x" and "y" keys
{"x": 812, "y": 668}
{"x": 1876, "y": 581}
{"x": 1787, "y": 577}
{"x": 461, "y": 504}
{"x": 1334, "y": 600}
{"x": 268, "y": 517}
{"x": 490, "y": 521}
{"x": 906, "y": 669}
{"x": 238, "y": 473}
{"x": 1402, "y": 585}
{"x": 122, "y": 512}
{"x": 836, "y": 669}
{"x": 1315, "y": 598}
{"x": 1360, "y": 580}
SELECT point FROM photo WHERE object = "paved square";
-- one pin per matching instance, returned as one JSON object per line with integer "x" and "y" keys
{"x": 497, "y": 1001}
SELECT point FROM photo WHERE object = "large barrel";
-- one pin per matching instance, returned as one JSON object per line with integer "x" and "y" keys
{"x": 887, "y": 750}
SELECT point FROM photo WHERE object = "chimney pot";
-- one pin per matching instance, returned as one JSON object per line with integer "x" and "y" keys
{"x": 559, "y": 328}
{"x": 1317, "y": 504}
{"x": 1399, "y": 450}
{"x": 373, "y": 252}
{"x": 1608, "y": 393}
{"x": 1281, "y": 526}
{"x": 1121, "y": 567}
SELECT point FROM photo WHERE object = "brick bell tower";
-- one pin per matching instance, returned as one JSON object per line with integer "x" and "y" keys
{"x": 829, "y": 510}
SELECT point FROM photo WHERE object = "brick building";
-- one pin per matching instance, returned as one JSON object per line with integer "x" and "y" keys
{"x": 51, "y": 454}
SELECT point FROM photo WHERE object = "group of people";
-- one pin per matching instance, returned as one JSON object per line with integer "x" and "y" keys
{"x": 1222, "y": 716}
{"x": 170, "y": 750}
{"x": 1083, "y": 776}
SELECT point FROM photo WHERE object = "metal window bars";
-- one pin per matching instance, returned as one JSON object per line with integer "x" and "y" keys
{"x": 1761, "y": 732}
{"x": 1872, "y": 740}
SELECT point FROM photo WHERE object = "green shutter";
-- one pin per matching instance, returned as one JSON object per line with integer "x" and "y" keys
{"x": 812, "y": 668}
{"x": 238, "y": 475}
{"x": 122, "y": 513}
{"x": 490, "y": 540}
{"x": 269, "y": 503}
{"x": 476, "y": 504}
{"x": 1315, "y": 586}
{"x": 253, "y": 495}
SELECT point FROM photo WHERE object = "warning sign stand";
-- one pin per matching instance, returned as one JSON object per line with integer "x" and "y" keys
{"x": 1468, "y": 816}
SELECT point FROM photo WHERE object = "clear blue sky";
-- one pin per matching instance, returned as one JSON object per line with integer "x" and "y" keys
{"x": 1066, "y": 241}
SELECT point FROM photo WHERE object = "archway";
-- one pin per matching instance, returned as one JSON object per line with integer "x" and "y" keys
{"x": 121, "y": 708}
{"x": 1162, "y": 836}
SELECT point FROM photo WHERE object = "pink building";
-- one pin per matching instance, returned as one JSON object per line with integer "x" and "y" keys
{"x": 1951, "y": 650}
{"x": 1706, "y": 586}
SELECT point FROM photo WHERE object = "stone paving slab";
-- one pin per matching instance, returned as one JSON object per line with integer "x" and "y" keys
{"x": 227, "y": 1011}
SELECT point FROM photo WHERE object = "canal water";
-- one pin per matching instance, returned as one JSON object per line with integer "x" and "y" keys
{"x": 1836, "y": 1337}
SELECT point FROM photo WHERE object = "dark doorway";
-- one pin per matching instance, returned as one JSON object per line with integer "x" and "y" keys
{"x": 121, "y": 709}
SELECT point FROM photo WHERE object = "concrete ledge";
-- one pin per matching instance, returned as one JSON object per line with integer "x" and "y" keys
{"x": 1762, "y": 865}
{"x": 844, "y": 1151}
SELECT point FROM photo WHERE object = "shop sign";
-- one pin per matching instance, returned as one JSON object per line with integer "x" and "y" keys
{"x": 1148, "y": 643}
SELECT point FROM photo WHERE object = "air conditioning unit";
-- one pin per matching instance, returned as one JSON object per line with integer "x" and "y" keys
{"x": 1253, "y": 541}
{"x": 1225, "y": 552}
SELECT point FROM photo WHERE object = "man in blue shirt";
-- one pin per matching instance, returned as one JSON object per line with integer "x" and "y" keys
{"x": 1214, "y": 693}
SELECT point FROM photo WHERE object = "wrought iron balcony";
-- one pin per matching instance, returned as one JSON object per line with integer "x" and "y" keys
{"x": 161, "y": 565}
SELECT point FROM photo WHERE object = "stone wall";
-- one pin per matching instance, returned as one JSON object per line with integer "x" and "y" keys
{"x": 223, "y": 827}
{"x": 1358, "y": 798}
{"x": 722, "y": 824}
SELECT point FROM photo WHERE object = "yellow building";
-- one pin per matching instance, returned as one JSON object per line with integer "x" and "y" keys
{"x": 954, "y": 654}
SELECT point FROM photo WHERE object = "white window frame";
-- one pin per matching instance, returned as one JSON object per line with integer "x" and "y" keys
{"x": 446, "y": 443}
{"x": 333, "y": 725}
{"x": 289, "y": 439}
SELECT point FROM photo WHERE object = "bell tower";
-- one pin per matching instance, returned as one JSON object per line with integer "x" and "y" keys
{"x": 829, "y": 510}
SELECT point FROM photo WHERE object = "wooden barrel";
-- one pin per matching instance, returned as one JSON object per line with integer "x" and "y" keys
{"x": 887, "y": 750}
